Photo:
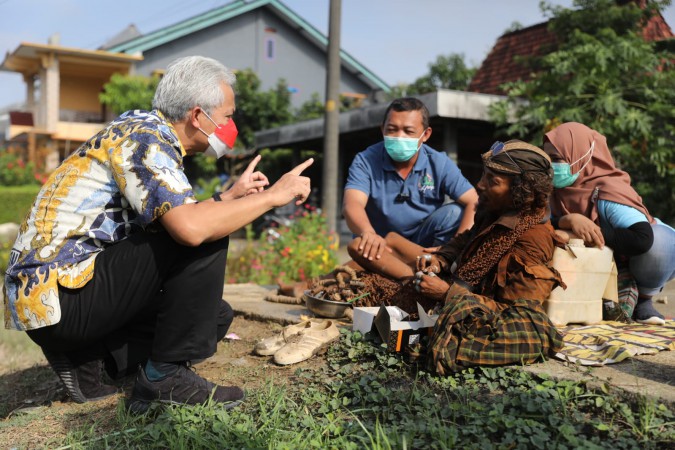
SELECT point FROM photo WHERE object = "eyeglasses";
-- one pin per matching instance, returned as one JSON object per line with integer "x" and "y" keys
{"x": 498, "y": 147}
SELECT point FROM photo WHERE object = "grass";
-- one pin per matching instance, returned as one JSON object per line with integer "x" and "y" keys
{"x": 17, "y": 201}
{"x": 365, "y": 397}
{"x": 16, "y": 349}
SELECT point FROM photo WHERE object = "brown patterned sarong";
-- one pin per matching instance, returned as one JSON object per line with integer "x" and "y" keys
{"x": 467, "y": 334}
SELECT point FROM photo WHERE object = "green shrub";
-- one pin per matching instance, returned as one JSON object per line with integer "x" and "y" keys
{"x": 14, "y": 171}
{"x": 16, "y": 201}
{"x": 298, "y": 252}
{"x": 5, "y": 247}
{"x": 205, "y": 188}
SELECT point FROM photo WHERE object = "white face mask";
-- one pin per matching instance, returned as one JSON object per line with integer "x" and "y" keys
{"x": 216, "y": 148}
{"x": 221, "y": 141}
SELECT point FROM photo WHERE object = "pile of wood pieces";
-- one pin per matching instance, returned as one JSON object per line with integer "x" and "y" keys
{"x": 362, "y": 288}
{"x": 346, "y": 286}
{"x": 368, "y": 289}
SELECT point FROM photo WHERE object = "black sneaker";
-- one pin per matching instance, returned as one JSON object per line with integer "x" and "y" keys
{"x": 184, "y": 387}
{"x": 83, "y": 381}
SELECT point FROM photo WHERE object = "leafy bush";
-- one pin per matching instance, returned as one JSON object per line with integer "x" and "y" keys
{"x": 16, "y": 202}
{"x": 14, "y": 171}
{"x": 297, "y": 252}
{"x": 205, "y": 188}
{"x": 5, "y": 248}
{"x": 126, "y": 92}
{"x": 275, "y": 163}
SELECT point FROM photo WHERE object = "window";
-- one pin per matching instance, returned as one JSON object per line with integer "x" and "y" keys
{"x": 270, "y": 49}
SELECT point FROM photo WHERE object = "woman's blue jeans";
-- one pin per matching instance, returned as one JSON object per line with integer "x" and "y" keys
{"x": 654, "y": 268}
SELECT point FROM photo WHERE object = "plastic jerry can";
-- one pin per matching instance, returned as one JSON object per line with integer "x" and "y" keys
{"x": 586, "y": 271}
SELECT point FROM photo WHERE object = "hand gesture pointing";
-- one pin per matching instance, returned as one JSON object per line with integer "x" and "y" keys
{"x": 292, "y": 185}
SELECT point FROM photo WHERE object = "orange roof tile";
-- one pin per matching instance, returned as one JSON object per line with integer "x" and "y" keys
{"x": 508, "y": 59}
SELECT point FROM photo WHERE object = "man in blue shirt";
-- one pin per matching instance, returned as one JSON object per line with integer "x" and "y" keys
{"x": 400, "y": 185}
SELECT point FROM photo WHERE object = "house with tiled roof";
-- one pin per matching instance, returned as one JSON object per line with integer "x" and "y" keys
{"x": 263, "y": 35}
{"x": 62, "y": 107}
{"x": 508, "y": 59}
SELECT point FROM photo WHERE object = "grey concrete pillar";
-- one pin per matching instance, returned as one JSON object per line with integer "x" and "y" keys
{"x": 30, "y": 93}
{"x": 49, "y": 92}
{"x": 450, "y": 141}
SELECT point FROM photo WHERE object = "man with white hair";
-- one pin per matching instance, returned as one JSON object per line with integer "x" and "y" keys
{"x": 117, "y": 264}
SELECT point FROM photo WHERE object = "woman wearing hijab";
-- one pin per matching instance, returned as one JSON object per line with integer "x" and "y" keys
{"x": 492, "y": 279}
{"x": 595, "y": 201}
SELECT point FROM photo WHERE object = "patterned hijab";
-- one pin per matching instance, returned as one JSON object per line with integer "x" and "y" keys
{"x": 599, "y": 180}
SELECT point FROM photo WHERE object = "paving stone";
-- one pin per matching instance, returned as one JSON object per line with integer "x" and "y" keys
{"x": 249, "y": 300}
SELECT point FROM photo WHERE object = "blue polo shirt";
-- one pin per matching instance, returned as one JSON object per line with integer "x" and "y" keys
{"x": 433, "y": 177}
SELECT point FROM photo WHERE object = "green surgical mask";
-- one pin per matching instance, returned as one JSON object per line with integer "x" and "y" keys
{"x": 562, "y": 171}
{"x": 401, "y": 149}
{"x": 562, "y": 175}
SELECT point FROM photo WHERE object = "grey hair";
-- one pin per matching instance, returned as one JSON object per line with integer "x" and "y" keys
{"x": 191, "y": 81}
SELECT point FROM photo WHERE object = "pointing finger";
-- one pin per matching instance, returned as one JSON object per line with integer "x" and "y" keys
{"x": 251, "y": 165}
{"x": 297, "y": 170}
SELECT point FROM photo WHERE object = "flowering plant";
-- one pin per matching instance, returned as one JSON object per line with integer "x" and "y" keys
{"x": 296, "y": 252}
{"x": 15, "y": 172}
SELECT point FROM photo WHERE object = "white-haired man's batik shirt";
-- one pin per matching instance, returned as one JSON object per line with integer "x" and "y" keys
{"x": 115, "y": 184}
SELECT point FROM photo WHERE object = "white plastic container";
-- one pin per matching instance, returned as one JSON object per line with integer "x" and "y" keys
{"x": 586, "y": 271}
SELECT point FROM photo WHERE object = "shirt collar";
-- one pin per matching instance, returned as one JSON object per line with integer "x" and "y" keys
{"x": 508, "y": 219}
{"x": 177, "y": 143}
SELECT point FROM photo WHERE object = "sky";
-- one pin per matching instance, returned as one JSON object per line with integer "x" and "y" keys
{"x": 395, "y": 39}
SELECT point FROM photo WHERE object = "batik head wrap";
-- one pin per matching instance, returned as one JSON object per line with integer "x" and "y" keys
{"x": 514, "y": 158}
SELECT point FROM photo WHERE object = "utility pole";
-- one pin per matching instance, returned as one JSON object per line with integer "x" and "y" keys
{"x": 331, "y": 148}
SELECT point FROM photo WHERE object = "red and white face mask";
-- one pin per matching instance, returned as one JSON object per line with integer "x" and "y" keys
{"x": 221, "y": 141}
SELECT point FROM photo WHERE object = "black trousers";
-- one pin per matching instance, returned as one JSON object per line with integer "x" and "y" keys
{"x": 149, "y": 297}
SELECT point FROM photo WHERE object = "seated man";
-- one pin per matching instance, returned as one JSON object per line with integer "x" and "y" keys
{"x": 400, "y": 185}
{"x": 396, "y": 191}
{"x": 117, "y": 263}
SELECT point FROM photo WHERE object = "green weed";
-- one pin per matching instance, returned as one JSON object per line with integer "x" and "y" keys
{"x": 365, "y": 397}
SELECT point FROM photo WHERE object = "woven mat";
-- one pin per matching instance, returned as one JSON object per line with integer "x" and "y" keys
{"x": 612, "y": 342}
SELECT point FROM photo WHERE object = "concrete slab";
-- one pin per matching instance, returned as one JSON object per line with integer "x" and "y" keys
{"x": 249, "y": 301}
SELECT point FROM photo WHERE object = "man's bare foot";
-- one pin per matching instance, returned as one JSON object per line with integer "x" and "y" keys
{"x": 292, "y": 290}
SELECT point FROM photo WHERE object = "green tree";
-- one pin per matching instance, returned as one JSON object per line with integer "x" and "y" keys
{"x": 447, "y": 72}
{"x": 313, "y": 108}
{"x": 605, "y": 75}
{"x": 259, "y": 110}
{"x": 126, "y": 92}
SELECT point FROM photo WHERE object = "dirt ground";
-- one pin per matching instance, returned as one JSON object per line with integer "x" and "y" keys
{"x": 35, "y": 410}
